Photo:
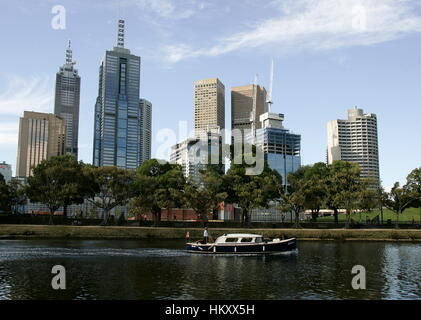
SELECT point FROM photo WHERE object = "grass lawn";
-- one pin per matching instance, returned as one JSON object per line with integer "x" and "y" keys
{"x": 406, "y": 216}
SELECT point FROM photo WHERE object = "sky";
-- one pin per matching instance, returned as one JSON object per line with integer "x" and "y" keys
{"x": 330, "y": 56}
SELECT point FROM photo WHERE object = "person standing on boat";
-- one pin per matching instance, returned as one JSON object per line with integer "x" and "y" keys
{"x": 206, "y": 235}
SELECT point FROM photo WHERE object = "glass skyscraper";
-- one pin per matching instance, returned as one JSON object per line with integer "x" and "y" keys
{"x": 146, "y": 130}
{"x": 67, "y": 101}
{"x": 117, "y": 135}
{"x": 282, "y": 149}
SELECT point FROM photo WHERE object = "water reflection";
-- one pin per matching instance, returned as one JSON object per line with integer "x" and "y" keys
{"x": 401, "y": 267}
{"x": 162, "y": 270}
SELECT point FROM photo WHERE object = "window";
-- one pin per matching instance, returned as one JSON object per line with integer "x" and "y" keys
{"x": 247, "y": 240}
{"x": 231, "y": 240}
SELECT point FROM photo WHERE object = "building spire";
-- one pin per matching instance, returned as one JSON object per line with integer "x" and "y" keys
{"x": 120, "y": 34}
{"x": 69, "y": 54}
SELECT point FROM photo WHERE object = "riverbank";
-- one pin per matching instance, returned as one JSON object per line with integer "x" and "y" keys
{"x": 28, "y": 232}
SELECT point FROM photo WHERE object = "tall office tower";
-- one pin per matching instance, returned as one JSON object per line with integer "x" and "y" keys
{"x": 117, "y": 133}
{"x": 6, "y": 171}
{"x": 355, "y": 140}
{"x": 67, "y": 100}
{"x": 242, "y": 100}
{"x": 209, "y": 105}
{"x": 41, "y": 136}
{"x": 146, "y": 130}
{"x": 282, "y": 149}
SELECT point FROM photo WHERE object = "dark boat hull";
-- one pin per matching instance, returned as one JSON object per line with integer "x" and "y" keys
{"x": 255, "y": 248}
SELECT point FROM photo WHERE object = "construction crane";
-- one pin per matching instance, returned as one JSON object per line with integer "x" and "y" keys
{"x": 270, "y": 94}
{"x": 253, "y": 112}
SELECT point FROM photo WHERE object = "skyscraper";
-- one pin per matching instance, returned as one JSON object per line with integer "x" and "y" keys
{"x": 146, "y": 130}
{"x": 67, "y": 100}
{"x": 242, "y": 99}
{"x": 41, "y": 136}
{"x": 355, "y": 140}
{"x": 117, "y": 135}
{"x": 282, "y": 149}
{"x": 195, "y": 154}
{"x": 209, "y": 105}
{"x": 186, "y": 155}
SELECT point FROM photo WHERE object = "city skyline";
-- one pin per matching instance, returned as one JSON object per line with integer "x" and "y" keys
{"x": 310, "y": 87}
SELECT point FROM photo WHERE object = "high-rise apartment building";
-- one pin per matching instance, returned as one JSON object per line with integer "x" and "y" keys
{"x": 6, "y": 171}
{"x": 146, "y": 130}
{"x": 41, "y": 136}
{"x": 67, "y": 100}
{"x": 186, "y": 155}
{"x": 195, "y": 154}
{"x": 355, "y": 140}
{"x": 117, "y": 135}
{"x": 209, "y": 105}
{"x": 242, "y": 100}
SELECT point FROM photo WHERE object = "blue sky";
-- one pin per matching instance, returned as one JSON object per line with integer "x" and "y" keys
{"x": 330, "y": 55}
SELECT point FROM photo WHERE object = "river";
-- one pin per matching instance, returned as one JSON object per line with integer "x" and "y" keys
{"x": 162, "y": 270}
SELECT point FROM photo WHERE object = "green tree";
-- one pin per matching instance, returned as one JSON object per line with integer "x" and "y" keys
{"x": 313, "y": 187}
{"x": 367, "y": 200}
{"x": 380, "y": 196}
{"x": 252, "y": 191}
{"x": 57, "y": 182}
{"x": 344, "y": 186}
{"x": 398, "y": 200}
{"x": 74, "y": 182}
{"x": 18, "y": 197}
{"x": 414, "y": 186}
{"x": 47, "y": 185}
{"x": 205, "y": 196}
{"x": 157, "y": 186}
{"x": 108, "y": 188}
{"x": 4, "y": 195}
{"x": 294, "y": 200}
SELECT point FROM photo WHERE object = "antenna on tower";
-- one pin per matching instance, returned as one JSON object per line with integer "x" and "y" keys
{"x": 270, "y": 95}
{"x": 69, "y": 54}
{"x": 253, "y": 112}
{"x": 120, "y": 34}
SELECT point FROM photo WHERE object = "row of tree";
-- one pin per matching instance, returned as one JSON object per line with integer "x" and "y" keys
{"x": 63, "y": 181}
{"x": 340, "y": 186}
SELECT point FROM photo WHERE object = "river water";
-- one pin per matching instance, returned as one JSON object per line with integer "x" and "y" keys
{"x": 162, "y": 270}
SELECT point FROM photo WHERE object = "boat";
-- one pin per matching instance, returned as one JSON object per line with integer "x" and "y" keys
{"x": 237, "y": 243}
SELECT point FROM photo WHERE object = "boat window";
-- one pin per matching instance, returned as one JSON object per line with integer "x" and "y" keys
{"x": 231, "y": 240}
{"x": 259, "y": 240}
{"x": 247, "y": 240}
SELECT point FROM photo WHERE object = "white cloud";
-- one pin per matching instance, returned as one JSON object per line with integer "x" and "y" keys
{"x": 26, "y": 93}
{"x": 9, "y": 133}
{"x": 168, "y": 9}
{"x": 317, "y": 25}
{"x": 22, "y": 94}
